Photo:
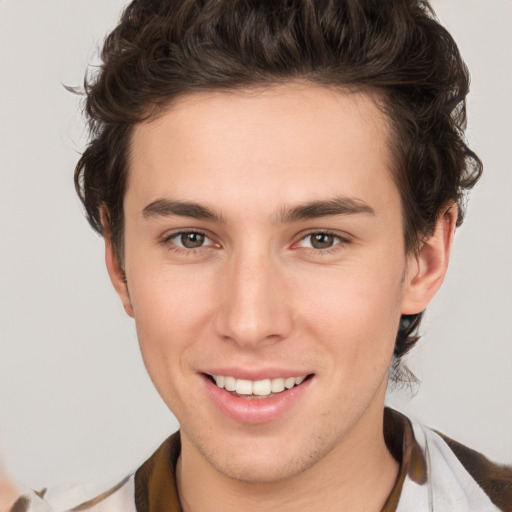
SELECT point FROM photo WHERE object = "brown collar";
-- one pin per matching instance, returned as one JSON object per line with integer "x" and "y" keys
{"x": 155, "y": 481}
{"x": 400, "y": 441}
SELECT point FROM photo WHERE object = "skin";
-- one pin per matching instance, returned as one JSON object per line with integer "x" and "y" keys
{"x": 258, "y": 294}
{"x": 8, "y": 492}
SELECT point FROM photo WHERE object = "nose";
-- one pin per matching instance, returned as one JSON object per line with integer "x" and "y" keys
{"x": 253, "y": 308}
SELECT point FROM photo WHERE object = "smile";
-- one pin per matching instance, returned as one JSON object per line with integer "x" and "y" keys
{"x": 257, "y": 401}
{"x": 256, "y": 388}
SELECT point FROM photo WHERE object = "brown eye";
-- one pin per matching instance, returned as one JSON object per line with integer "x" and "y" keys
{"x": 322, "y": 240}
{"x": 192, "y": 240}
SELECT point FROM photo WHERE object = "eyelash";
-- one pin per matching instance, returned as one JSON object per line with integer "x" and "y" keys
{"x": 173, "y": 246}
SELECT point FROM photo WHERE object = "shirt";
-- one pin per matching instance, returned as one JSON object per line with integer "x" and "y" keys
{"x": 436, "y": 474}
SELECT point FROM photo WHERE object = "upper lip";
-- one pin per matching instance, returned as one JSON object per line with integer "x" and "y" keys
{"x": 256, "y": 373}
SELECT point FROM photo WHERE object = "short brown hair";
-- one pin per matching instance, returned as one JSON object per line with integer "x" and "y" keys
{"x": 162, "y": 49}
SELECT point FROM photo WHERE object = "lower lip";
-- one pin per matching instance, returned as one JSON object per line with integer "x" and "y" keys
{"x": 255, "y": 410}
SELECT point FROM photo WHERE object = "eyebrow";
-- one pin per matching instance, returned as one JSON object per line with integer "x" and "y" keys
{"x": 287, "y": 215}
{"x": 324, "y": 208}
{"x": 170, "y": 207}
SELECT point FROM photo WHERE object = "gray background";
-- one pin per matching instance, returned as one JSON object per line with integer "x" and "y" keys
{"x": 74, "y": 397}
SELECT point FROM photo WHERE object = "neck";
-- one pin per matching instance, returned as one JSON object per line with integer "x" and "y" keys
{"x": 357, "y": 475}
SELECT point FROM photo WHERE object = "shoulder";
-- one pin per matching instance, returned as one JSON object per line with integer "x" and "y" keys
{"x": 460, "y": 478}
{"x": 145, "y": 490}
{"x": 495, "y": 479}
{"x": 98, "y": 496}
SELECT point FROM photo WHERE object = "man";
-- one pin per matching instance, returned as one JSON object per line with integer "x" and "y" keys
{"x": 278, "y": 186}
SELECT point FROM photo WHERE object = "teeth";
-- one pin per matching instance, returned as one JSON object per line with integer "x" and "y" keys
{"x": 243, "y": 387}
{"x": 230, "y": 383}
{"x": 262, "y": 387}
{"x": 289, "y": 383}
{"x": 258, "y": 387}
{"x": 277, "y": 385}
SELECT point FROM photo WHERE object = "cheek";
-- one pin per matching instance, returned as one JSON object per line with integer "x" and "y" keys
{"x": 164, "y": 294}
{"x": 171, "y": 310}
{"x": 355, "y": 311}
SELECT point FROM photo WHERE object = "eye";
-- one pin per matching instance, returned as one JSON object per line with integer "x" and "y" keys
{"x": 320, "y": 240}
{"x": 189, "y": 240}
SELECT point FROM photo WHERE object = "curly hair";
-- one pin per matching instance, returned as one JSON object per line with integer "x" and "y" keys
{"x": 163, "y": 49}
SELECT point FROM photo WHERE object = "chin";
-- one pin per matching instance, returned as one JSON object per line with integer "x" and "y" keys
{"x": 266, "y": 462}
{"x": 263, "y": 471}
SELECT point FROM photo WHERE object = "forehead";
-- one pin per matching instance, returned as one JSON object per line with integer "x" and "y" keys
{"x": 288, "y": 143}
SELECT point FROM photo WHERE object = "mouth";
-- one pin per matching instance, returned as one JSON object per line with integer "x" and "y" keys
{"x": 259, "y": 401}
{"x": 257, "y": 389}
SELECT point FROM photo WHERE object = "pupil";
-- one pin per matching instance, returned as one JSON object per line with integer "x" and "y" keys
{"x": 192, "y": 240}
{"x": 322, "y": 241}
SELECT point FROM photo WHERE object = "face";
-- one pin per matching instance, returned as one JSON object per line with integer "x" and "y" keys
{"x": 266, "y": 273}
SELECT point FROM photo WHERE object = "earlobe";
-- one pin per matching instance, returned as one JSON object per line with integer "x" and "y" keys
{"x": 427, "y": 267}
{"x": 115, "y": 271}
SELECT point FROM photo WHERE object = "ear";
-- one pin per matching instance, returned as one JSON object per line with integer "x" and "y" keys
{"x": 115, "y": 270}
{"x": 427, "y": 268}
